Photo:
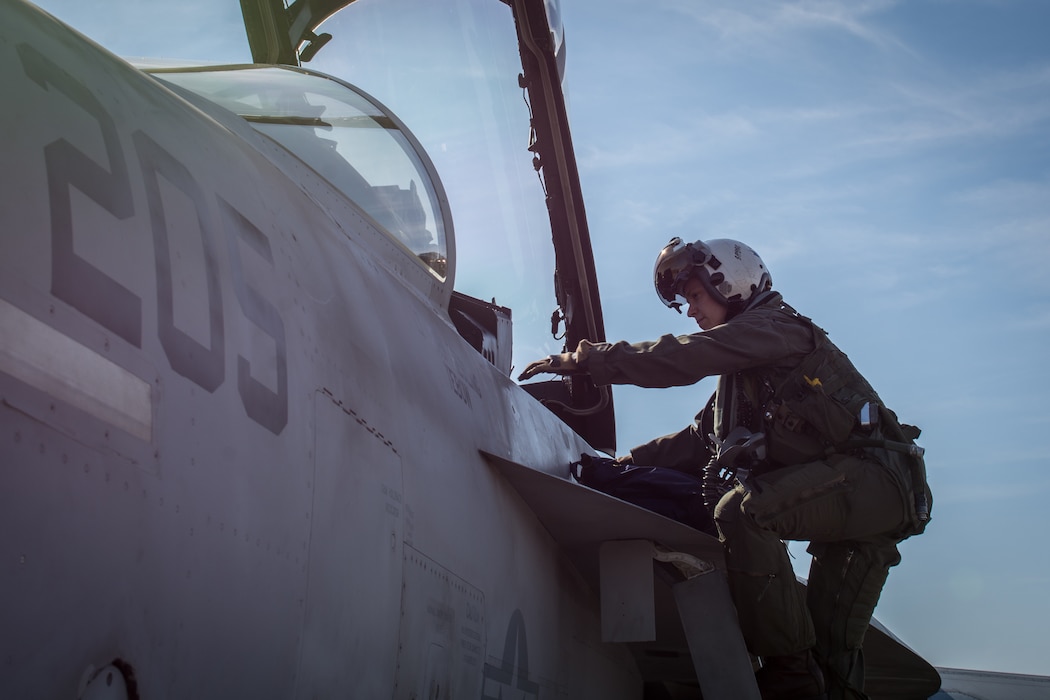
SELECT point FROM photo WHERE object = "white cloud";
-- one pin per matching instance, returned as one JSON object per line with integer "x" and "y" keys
{"x": 660, "y": 142}
{"x": 935, "y": 110}
{"x": 773, "y": 25}
{"x": 844, "y": 15}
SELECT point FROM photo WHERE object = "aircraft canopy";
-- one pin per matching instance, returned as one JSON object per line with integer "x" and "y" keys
{"x": 347, "y": 137}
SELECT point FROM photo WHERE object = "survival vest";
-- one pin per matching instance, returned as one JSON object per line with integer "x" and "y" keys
{"x": 824, "y": 406}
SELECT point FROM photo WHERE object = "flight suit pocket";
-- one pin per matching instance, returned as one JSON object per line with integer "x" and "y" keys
{"x": 802, "y": 502}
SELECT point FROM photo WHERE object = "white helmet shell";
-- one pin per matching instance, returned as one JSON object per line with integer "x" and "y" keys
{"x": 731, "y": 271}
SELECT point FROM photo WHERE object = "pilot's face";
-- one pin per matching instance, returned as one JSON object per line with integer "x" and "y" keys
{"x": 707, "y": 312}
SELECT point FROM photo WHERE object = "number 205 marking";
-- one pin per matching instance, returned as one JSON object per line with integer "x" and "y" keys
{"x": 77, "y": 282}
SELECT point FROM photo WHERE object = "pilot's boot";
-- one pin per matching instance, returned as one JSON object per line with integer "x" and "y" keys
{"x": 794, "y": 677}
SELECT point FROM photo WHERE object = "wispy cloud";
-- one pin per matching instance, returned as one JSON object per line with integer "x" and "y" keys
{"x": 663, "y": 141}
{"x": 845, "y": 16}
{"x": 782, "y": 22}
{"x": 913, "y": 100}
{"x": 1004, "y": 103}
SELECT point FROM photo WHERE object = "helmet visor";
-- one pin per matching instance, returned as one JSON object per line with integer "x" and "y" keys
{"x": 675, "y": 264}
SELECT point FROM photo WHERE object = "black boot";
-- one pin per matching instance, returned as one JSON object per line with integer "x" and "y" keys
{"x": 794, "y": 677}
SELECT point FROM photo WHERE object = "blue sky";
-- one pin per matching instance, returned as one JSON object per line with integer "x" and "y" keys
{"x": 891, "y": 163}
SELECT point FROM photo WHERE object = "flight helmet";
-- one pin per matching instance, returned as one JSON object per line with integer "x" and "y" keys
{"x": 731, "y": 272}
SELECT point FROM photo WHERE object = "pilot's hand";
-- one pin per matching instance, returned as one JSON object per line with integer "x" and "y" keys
{"x": 565, "y": 363}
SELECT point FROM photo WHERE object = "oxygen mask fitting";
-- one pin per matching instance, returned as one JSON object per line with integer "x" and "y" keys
{"x": 738, "y": 456}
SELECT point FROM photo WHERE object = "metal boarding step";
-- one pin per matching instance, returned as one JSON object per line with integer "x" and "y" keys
{"x": 676, "y": 616}
{"x": 701, "y": 594}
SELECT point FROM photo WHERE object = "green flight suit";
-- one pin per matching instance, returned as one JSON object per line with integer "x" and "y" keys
{"x": 853, "y": 507}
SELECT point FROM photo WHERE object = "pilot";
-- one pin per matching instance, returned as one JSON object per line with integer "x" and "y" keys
{"x": 797, "y": 446}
